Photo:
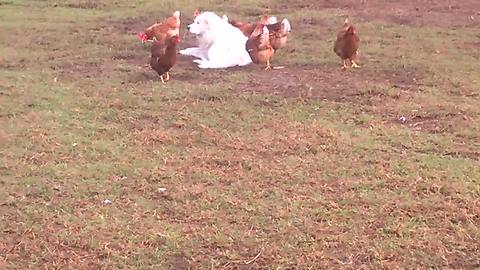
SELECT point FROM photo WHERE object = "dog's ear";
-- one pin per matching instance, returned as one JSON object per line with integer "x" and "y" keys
{"x": 196, "y": 13}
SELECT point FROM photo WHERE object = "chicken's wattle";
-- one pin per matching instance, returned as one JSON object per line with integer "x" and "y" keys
{"x": 143, "y": 37}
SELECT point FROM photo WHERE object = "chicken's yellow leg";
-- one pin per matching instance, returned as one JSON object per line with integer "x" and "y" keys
{"x": 344, "y": 67}
{"x": 354, "y": 65}
{"x": 168, "y": 77}
{"x": 161, "y": 78}
{"x": 268, "y": 65}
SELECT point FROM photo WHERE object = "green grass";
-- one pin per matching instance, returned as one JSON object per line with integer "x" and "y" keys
{"x": 286, "y": 182}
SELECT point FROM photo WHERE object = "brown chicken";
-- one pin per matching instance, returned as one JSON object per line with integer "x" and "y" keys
{"x": 163, "y": 30}
{"x": 164, "y": 56}
{"x": 248, "y": 28}
{"x": 279, "y": 33}
{"x": 258, "y": 46}
{"x": 347, "y": 44}
{"x": 278, "y": 30}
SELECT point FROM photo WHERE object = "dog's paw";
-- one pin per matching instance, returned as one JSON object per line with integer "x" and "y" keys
{"x": 202, "y": 63}
{"x": 184, "y": 52}
{"x": 189, "y": 51}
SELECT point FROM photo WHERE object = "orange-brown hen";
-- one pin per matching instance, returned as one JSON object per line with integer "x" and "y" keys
{"x": 258, "y": 46}
{"x": 278, "y": 30}
{"x": 347, "y": 44}
{"x": 279, "y": 33}
{"x": 248, "y": 28}
{"x": 162, "y": 31}
{"x": 164, "y": 56}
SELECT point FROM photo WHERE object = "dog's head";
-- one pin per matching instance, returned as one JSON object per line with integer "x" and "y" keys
{"x": 200, "y": 24}
{"x": 203, "y": 22}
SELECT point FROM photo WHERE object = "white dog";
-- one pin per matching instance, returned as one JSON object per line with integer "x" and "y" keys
{"x": 220, "y": 44}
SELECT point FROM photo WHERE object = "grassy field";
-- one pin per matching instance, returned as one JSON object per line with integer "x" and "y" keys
{"x": 308, "y": 167}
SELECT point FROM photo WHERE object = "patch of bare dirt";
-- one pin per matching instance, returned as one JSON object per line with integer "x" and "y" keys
{"x": 437, "y": 120}
{"x": 130, "y": 25}
{"x": 329, "y": 83}
{"x": 436, "y": 123}
{"x": 375, "y": 92}
{"x": 412, "y": 12}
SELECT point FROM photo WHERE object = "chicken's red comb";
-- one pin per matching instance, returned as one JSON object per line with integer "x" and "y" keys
{"x": 352, "y": 30}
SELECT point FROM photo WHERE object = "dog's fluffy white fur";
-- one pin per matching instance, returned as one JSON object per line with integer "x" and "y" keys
{"x": 220, "y": 44}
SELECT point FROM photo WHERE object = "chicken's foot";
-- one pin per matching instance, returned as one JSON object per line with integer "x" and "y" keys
{"x": 168, "y": 77}
{"x": 354, "y": 65}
